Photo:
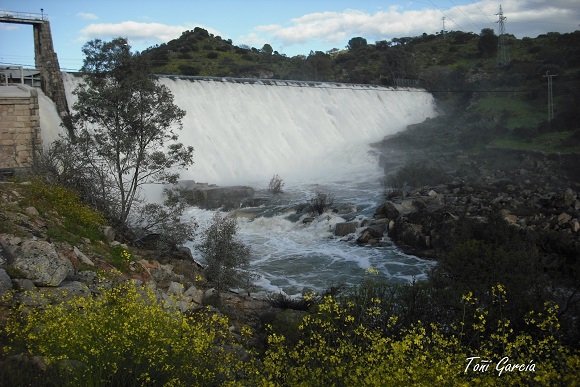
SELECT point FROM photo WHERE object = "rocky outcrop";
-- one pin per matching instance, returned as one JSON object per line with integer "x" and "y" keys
{"x": 424, "y": 222}
{"x": 345, "y": 228}
{"x": 37, "y": 261}
{"x": 211, "y": 196}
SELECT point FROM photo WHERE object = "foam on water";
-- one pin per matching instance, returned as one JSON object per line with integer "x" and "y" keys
{"x": 315, "y": 137}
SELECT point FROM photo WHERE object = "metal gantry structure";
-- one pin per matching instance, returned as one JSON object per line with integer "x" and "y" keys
{"x": 550, "y": 95}
{"x": 502, "y": 52}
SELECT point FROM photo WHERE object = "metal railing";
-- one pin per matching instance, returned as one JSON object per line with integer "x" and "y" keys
{"x": 22, "y": 15}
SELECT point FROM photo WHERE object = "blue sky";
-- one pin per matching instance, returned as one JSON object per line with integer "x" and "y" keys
{"x": 291, "y": 27}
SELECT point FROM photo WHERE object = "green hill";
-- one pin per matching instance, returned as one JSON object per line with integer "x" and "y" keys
{"x": 501, "y": 106}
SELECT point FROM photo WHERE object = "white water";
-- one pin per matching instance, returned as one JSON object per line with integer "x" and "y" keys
{"x": 314, "y": 137}
{"x": 246, "y": 133}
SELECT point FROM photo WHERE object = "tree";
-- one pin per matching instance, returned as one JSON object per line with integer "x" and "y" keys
{"x": 487, "y": 44}
{"x": 127, "y": 123}
{"x": 267, "y": 49}
{"x": 357, "y": 42}
{"x": 227, "y": 258}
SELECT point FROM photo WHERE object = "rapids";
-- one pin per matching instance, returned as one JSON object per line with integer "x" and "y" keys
{"x": 315, "y": 136}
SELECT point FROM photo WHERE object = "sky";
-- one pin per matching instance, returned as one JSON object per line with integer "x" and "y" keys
{"x": 291, "y": 27}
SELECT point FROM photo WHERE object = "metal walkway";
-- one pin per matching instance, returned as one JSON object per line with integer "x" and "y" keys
{"x": 22, "y": 17}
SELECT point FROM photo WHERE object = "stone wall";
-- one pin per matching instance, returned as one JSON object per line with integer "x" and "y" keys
{"x": 46, "y": 61}
{"x": 20, "y": 135}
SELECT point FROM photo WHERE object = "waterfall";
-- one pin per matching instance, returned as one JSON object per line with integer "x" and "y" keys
{"x": 244, "y": 132}
{"x": 314, "y": 136}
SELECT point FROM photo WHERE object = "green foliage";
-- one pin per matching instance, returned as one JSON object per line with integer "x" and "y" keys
{"x": 335, "y": 349}
{"x": 47, "y": 197}
{"x": 417, "y": 174}
{"x": 125, "y": 336}
{"x": 487, "y": 44}
{"x": 131, "y": 118}
{"x": 227, "y": 258}
{"x": 120, "y": 258}
{"x": 357, "y": 42}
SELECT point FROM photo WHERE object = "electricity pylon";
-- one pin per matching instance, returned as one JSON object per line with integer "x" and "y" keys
{"x": 502, "y": 54}
{"x": 550, "y": 95}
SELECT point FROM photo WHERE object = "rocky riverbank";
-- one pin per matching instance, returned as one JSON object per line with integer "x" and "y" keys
{"x": 41, "y": 262}
{"x": 535, "y": 192}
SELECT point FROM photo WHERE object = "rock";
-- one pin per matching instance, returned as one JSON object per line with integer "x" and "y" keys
{"x": 568, "y": 197}
{"x": 575, "y": 225}
{"x": 211, "y": 297}
{"x": 5, "y": 282}
{"x": 195, "y": 294}
{"x": 23, "y": 284}
{"x": 40, "y": 262}
{"x": 345, "y": 228}
{"x": 109, "y": 233}
{"x": 83, "y": 258}
{"x": 5, "y": 255}
{"x": 564, "y": 218}
{"x": 175, "y": 288}
{"x": 31, "y": 211}
{"x": 66, "y": 291}
{"x": 510, "y": 218}
{"x": 212, "y": 197}
{"x": 364, "y": 238}
{"x": 388, "y": 210}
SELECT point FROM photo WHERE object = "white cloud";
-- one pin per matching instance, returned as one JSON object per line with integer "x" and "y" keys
{"x": 137, "y": 32}
{"x": 87, "y": 16}
{"x": 524, "y": 18}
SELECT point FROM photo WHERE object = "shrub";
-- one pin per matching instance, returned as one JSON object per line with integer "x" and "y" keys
{"x": 335, "y": 349}
{"x": 321, "y": 202}
{"x": 276, "y": 184}
{"x": 227, "y": 258}
{"x": 77, "y": 218}
{"x": 164, "y": 222}
{"x": 125, "y": 337}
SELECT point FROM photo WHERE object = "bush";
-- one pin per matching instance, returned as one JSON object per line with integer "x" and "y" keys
{"x": 76, "y": 217}
{"x": 276, "y": 184}
{"x": 335, "y": 349}
{"x": 125, "y": 337}
{"x": 227, "y": 258}
{"x": 321, "y": 202}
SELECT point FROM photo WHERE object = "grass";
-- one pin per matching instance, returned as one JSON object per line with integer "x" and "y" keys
{"x": 547, "y": 142}
{"x": 521, "y": 113}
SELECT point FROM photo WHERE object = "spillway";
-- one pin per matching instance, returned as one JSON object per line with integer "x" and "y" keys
{"x": 315, "y": 136}
{"x": 245, "y": 131}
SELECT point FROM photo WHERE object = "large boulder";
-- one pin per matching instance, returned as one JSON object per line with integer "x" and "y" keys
{"x": 211, "y": 196}
{"x": 5, "y": 282}
{"x": 345, "y": 228}
{"x": 39, "y": 262}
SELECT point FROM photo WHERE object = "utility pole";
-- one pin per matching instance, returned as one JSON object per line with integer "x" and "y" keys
{"x": 443, "y": 30}
{"x": 502, "y": 54}
{"x": 550, "y": 95}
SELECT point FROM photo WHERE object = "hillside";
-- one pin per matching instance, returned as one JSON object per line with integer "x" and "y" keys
{"x": 501, "y": 106}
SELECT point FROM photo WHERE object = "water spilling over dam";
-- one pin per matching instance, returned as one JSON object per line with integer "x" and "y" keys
{"x": 316, "y": 136}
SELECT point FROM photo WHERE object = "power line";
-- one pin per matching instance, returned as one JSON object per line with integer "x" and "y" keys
{"x": 439, "y": 9}
{"x": 477, "y": 6}
{"x": 464, "y": 14}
